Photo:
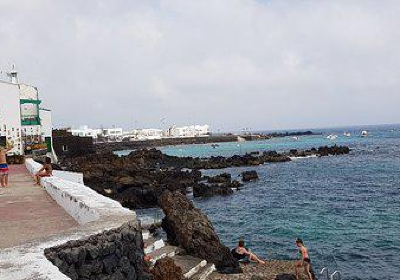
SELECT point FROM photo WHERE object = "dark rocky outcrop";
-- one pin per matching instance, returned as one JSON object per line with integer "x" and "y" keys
{"x": 207, "y": 190}
{"x": 189, "y": 228}
{"x": 249, "y": 176}
{"x": 220, "y": 179}
{"x": 138, "y": 179}
{"x": 166, "y": 269}
{"x": 113, "y": 254}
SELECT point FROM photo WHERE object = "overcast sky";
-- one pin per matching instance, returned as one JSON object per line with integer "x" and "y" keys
{"x": 272, "y": 64}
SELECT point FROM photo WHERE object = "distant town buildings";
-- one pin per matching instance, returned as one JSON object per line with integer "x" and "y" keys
{"x": 23, "y": 123}
{"x": 189, "y": 131}
{"x": 117, "y": 134}
{"x": 101, "y": 134}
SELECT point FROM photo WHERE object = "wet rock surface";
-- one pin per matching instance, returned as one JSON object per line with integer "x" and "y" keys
{"x": 273, "y": 270}
{"x": 138, "y": 179}
{"x": 249, "y": 176}
{"x": 189, "y": 228}
{"x": 113, "y": 254}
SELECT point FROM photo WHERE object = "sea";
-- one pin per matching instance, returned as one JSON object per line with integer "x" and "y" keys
{"x": 346, "y": 208}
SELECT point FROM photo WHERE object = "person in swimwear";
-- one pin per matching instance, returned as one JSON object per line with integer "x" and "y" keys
{"x": 305, "y": 260}
{"x": 241, "y": 253}
{"x": 4, "y": 165}
{"x": 45, "y": 171}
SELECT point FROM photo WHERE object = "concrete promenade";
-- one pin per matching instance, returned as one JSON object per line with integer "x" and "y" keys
{"x": 33, "y": 218}
{"x": 27, "y": 212}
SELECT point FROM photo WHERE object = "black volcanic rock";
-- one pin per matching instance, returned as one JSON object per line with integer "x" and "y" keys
{"x": 138, "y": 179}
{"x": 249, "y": 176}
{"x": 188, "y": 227}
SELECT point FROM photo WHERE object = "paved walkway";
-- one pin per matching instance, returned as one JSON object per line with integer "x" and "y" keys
{"x": 27, "y": 212}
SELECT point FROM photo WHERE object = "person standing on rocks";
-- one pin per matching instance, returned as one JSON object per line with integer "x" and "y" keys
{"x": 4, "y": 165}
{"x": 305, "y": 260}
{"x": 241, "y": 253}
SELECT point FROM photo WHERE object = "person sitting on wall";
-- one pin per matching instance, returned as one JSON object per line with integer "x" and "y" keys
{"x": 3, "y": 164}
{"x": 242, "y": 254}
{"x": 45, "y": 171}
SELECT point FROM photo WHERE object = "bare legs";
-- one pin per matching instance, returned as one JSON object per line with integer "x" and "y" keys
{"x": 307, "y": 271}
{"x": 37, "y": 179}
{"x": 4, "y": 180}
{"x": 298, "y": 265}
{"x": 255, "y": 258}
{"x": 306, "y": 266}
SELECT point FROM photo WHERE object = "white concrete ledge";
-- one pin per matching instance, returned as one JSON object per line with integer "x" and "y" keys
{"x": 81, "y": 202}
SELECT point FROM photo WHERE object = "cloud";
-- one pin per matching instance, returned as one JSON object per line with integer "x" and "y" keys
{"x": 232, "y": 63}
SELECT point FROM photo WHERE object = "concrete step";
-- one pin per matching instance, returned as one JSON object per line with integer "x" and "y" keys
{"x": 204, "y": 272}
{"x": 153, "y": 246}
{"x": 146, "y": 234}
{"x": 190, "y": 265}
{"x": 165, "y": 251}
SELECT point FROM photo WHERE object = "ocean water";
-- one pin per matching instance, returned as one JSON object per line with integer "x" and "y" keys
{"x": 345, "y": 208}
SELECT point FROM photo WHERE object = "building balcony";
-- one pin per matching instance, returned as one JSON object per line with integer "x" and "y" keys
{"x": 30, "y": 120}
{"x": 30, "y": 101}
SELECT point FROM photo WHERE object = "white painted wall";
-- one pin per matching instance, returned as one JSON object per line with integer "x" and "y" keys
{"x": 10, "y": 118}
{"x": 28, "y": 92}
{"x": 81, "y": 202}
{"x": 31, "y": 130}
{"x": 73, "y": 177}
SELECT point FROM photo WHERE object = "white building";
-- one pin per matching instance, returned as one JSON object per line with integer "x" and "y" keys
{"x": 85, "y": 131}
{"x": 149, "y": 133}
{"x": 189, "y": 131}
{"x": 107, "y": 134}
{"x": 10, "y": 117}
{"x": 21, "y": 118}
{"x": 113, "y": 134}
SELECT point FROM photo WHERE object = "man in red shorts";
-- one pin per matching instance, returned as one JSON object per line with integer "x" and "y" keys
{"x": 4, "y": 165}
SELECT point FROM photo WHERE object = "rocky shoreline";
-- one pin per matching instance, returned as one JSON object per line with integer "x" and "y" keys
{"x": 139, "y": 179}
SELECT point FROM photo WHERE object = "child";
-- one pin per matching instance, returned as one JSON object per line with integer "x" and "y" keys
{"x": 305, "y": 260}
{"x": 4, "y": 165}
{"x": 45, "y": 171}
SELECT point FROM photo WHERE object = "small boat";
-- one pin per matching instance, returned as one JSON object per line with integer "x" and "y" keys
{"x": 295, "y": 138}
{"x": 214, "y": 146}
{"x": 364, "y": 133}
{"x": 331, "y": 137}
{"x": 347, "y": 134}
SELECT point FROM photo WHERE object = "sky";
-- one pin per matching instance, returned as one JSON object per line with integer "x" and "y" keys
{"x": 233, "y": 64}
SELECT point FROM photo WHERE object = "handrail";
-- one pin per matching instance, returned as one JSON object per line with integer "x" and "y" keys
{"x": 325, "y": 269}
{"x": 336, "y": 273}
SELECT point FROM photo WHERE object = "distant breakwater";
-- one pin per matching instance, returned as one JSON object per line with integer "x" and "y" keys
{"x": 140, "y": 144}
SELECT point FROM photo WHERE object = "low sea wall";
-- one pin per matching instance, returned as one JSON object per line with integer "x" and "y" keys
{"x": 80, "y": 202}
{"x": 132, "y": 145}
{"x": 108, "y": 237}
{"x": 113, "y": 254}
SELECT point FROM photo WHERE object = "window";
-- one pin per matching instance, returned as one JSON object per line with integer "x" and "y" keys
{"x": 65, "y": 148}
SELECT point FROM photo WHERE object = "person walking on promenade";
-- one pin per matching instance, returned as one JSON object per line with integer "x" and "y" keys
{"x": 45, "y": 171}
{"x": 305, "y": 260}
{"x": 241, "y": 253}
{"x": 3, "y": 164}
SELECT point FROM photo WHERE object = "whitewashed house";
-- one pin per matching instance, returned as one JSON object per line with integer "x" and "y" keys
{"x": 189, "y": 131}
{"x": 23, "y": 123}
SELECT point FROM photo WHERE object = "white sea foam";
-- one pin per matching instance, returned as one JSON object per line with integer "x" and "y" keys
{"x": 296, "y": 158}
